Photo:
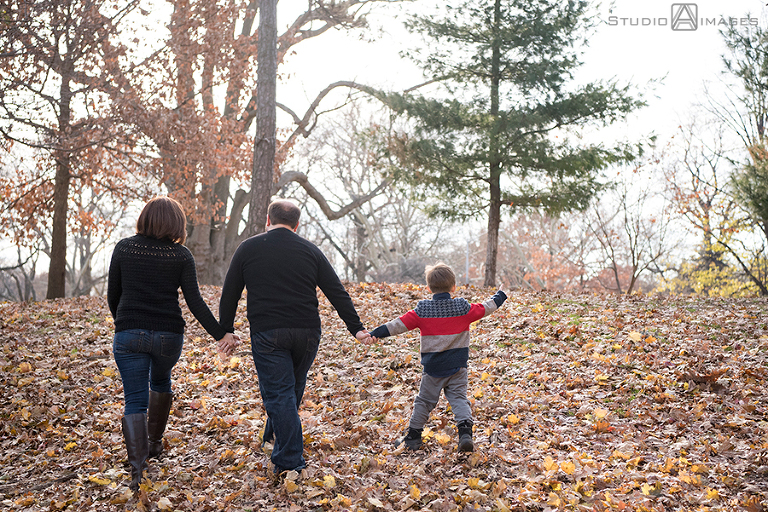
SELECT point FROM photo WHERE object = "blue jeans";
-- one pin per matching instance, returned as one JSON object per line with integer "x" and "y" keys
{"x": 145, "y": 359}
{"x": 282, "y": 358}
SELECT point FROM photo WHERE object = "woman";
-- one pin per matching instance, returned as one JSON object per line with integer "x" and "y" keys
{"x": 145, "y": 274}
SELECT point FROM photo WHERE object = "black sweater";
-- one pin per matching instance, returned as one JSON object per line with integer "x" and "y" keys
{"x": 143, "y": 290}
{"x": 281, "y": 272}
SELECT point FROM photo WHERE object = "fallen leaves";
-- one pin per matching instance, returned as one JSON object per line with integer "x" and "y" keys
{"x": 581, "y": 402}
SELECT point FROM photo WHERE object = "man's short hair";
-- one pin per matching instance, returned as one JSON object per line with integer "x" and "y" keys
{"x": 440, "y": 278}
{"x": 283, "y": 211}
{"x": 163, "y": 219}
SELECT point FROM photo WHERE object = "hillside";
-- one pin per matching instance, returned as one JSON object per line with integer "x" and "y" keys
{"x": 581, "y": 402}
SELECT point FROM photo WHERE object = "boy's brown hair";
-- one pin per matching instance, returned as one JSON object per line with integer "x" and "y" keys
{"x": 283, "y": 211}
{"x": 163, "y": 218}
{"x": 440, "y": 278}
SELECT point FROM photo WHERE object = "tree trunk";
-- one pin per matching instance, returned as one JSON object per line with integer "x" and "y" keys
{"x": 360, "y": 259}
{"x": 264, "y": 144}
{"x": 494, "y": 207}
{"x": 57, "y": 270}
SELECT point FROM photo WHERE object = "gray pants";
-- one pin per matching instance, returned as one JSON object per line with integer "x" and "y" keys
{"x": 455, "y": 389}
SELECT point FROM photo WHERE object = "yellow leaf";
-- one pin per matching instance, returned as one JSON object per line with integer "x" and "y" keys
{"x": 25, "y": 381}
{"x": 99, "y": 481}
{"x": 554, "y": 500}
{"x": 486, "y": 360}
{"x": 290, "y": 485}
{"x": 568, "y": 467}
{"x": 550, "y": 464}
{"x": 443, "y": 438}
{"x": 70, "y": 445}
{"x": 600, "y": 413}
{"x": 478, "y": 393}
{"x": 512, "y": 419}
{"x": 699, "y": 468}
{"x": 619, "y": 455}
{"x": 341, "y": 500}
{"x": 62, "y": 375}
{"x": 25, "y": 367}
{"x": 689, "y": 478}
{"x": 164, "y": 504}
{"x": 485, "y": 376}
{"x": 234, "y": 362}
{"x": 414, "y": 492}
{"x": 126, "y": 495}
{"x": 712, "y": 494}
{"x": 329, "y": 482}
{"x": 108, "y": 372}
{"x": 651, "y": 490}
{"x": 502, "y": 506}
{"x": 635, "y": 336}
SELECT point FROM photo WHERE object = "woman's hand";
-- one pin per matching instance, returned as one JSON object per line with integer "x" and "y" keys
{"x": 228, "y": 344}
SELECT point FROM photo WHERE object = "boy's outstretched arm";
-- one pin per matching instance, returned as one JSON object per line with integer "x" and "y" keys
{"x": 493, "y": 303}
{"x": 391, "y": 328}
{"x": 380, "y": 332}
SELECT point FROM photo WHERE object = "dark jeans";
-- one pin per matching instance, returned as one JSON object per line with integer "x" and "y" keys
{"x": 145, "y": 359}
{"x": 283, "y": 358}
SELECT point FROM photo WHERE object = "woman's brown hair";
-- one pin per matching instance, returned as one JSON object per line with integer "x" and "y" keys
{"x": 163, "y": 218}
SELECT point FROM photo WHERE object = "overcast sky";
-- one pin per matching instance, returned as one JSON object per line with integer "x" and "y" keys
{"x": 636, "y": 42}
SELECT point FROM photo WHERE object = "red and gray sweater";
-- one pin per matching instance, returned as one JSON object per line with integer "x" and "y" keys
{"x": 444, "y": 323}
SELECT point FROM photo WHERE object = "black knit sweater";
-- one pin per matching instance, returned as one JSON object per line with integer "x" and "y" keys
{"x": 282, "y": 272}
{"x": 143, "y": 290}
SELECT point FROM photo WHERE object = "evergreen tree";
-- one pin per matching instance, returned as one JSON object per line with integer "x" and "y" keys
{"x": 501, "y": 137}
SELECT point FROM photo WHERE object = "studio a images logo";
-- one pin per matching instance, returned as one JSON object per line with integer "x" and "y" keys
{"x": 685, "y": 17}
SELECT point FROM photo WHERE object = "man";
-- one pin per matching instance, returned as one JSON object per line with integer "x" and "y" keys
{"x": 281, "y": 272}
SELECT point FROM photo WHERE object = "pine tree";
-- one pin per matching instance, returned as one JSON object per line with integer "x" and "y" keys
{"x": 501, "y": 137}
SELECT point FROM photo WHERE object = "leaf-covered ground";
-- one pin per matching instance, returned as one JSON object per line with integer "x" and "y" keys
{"x": 581, "y": 402}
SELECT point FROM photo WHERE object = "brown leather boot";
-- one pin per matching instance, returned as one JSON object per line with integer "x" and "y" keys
{"x": 157, "y": 419}
{"x": 135, "y": 434}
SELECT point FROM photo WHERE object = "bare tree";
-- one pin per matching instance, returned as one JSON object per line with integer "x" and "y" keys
{"x": 632, "y": 228}
{"x": 388, "y": 237}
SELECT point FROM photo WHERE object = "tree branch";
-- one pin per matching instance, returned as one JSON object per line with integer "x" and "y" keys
{"x": 303, "y": 181}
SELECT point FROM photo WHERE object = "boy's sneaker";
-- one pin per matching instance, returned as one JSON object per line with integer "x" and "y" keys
{"x": 412, "y": 439}
{"x": 465, "y": 436}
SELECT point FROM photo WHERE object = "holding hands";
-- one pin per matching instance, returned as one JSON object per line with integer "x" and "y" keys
{"x": 363, "y": 336}
{"x": 228, "y": 343}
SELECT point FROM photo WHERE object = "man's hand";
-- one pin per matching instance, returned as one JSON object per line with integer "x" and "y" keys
{"x": 363, "y": 336}
{"x": 228, "y": 343}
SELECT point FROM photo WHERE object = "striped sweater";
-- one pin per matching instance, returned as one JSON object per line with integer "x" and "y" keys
{"x": 444, "y": 323}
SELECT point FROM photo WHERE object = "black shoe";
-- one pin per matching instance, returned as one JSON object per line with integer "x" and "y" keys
{"x": 465, "y": 436}
{"x": 157, "y": 419}
{"x": 412, "y": 439}
{"x": 137, "y": 446}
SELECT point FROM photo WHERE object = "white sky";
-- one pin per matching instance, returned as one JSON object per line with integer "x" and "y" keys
{"x": 639, "y": 47}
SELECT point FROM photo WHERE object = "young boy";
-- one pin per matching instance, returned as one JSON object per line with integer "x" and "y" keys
{"x": 444, "y": 324}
